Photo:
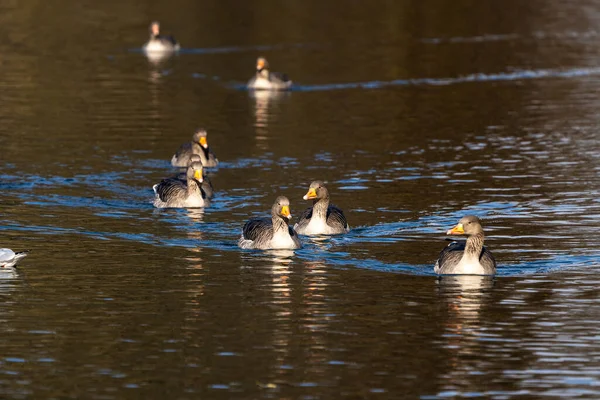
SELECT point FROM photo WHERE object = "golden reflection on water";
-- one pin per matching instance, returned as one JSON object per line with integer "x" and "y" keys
{"x": 265, "y": 112}
{"x": 8, "y": 278}
{"x": 464, "y": 296}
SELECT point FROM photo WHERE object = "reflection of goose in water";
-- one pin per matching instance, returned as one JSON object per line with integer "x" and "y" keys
{"x": 173, "y": 193}
{"x": 206, "y": 183}
{"x": 198, "y": 145}
{"x": 271, "y": 233}
{"x": 464, "y": 296}
{"x": 466, "y": 257}
{"x": 9, "y": 258}
{"x": 322, "y": 218}
{"x": 266, "y": 80}
{"x": 267, "y": 104}
{"x": 160, "y": 43}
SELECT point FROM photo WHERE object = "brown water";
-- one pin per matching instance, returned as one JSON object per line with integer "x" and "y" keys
{"x": 415, "y": 113}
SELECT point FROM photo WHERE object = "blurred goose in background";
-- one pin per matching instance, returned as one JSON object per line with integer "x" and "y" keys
{"x": 198, "y": 145}
{"x": 322, "y": 218}
{"x": 206, "y": 183}
{"x": 160, "y": 43}
{"x": 468, "y": 257}
{"x": 271, "y": 233}
{"x": 9, "y": 258}
{"x": 266, "y": 80}
{"x": 173, "y": 193}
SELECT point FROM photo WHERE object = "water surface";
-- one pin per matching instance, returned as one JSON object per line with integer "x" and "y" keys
{"x": 414, "y": 113}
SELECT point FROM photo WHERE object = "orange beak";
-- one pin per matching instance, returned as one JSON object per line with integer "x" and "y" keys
{"x": 285, "y": 211}
{"x": 457, "y": 230}
{"x": 198, "y": 175}
{"x": 260, "y": 64}
{"x": 312, "y": 194}
{"x": 203, "y": 142}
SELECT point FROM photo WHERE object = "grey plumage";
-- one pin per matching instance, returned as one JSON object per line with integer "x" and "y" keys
{"x": 199, "y": 146}
{"x": 206, "y": 185}
{"x": 322, "y": 218}
{"x": 267, "y": 80}
{"x": 9, "y": 258}
{"x": 466, "y": 257}
{"x": 174, "y": 193}
{"x": 271, "y": 233}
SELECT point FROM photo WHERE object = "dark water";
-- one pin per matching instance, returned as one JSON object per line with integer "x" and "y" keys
{"x": 415, "y": 113}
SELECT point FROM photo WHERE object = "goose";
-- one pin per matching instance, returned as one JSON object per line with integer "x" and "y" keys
{"x": 160, "y": 43}
{"x": 206, "y": 186}
{"x": 266, "y": 80}
{"x": 322, "y": 218}
{"x": 468, "y": 257}
{"x": 173, "y": 193}
{"x": 271, "y": 233}
{"x": 198, "y": 145}
{"x": 9, "y": 258}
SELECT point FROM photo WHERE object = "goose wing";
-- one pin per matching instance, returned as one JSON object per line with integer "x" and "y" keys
{"x": 279, "y": 76}
{"x": 336, "y": 217}
{"x": 170, "y": 188}
{"x": 258, "y": 228}
{"x": 185, "y": 148}
{"x": 452, "y": 254}
{"x": 304, "y": 219}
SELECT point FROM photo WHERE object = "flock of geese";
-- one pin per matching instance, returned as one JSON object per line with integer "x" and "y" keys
{"x": 192, "y": 188}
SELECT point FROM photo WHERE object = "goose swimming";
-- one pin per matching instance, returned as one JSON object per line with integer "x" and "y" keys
{"x": 206, "y": 186}
{"x": 173, "y": 193}
{"x": 468, "y": 257}
{"x": 267, "y": 80}
{"x": 271, "y": 233}
{"x": 322, "y": 218}
{"x": 198, "y": 145}
{"x": 9, "y": 258}
{"x": 160, "y": 43}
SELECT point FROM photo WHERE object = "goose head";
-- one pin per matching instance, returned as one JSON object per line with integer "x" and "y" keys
{"x": 281, "y": 208}
{"x": 316, "y": 191}
{"x": 468, "y": 225}
{"x": 154, "y": 29}
{"x": 194, "y": 172}
{"x": 261, "y": 64}
{"x": 200, "y": 138}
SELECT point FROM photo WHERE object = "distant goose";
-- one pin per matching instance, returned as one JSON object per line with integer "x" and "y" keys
{"x": 322, "y": 218}
{"x": 266, "y": 80}
{"x": 206, "y": 183}
{"x": 198, "y": 145}
{"x": 271, "y": 233}
{"x": 9, "y": 258}
{"x": 160, "y": 43}
{"x": 468, "y": 257}
{"x": 173, "y": 193}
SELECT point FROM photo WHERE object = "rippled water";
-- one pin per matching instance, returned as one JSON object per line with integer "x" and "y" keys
{"x": 414, "y": 113}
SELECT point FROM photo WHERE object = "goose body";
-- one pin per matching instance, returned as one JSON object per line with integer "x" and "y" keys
{"x": 468, "y": 257}
{"x": 271, "y": 233}
{"x": 160, "y": 43}
{"x": 264, "y": 79}
{"x": 322, "y": 218}
{"x": 199, "y": 146}
{"x": 174, "y": 193}
{"x": 9, "y": 258}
